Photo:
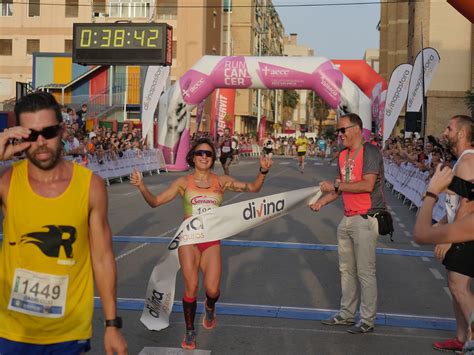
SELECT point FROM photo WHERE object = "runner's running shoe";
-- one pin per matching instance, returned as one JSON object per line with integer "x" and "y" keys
{"x": 189, "y": 341}
{"x": 448, "y": 345}
{"x": 209, "y": 320}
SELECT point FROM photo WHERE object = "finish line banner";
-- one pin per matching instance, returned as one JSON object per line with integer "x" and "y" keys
{"x": 217, "y": 224}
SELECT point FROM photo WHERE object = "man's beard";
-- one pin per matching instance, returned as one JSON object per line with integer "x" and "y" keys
{"x": 451, "y": 143}
{"x": 49, "y": 164}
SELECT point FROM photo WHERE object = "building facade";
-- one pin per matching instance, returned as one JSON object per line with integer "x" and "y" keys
{"x": 302, "y": 117}
{"x": 447, "y": 31}
{"x": 33, "y": 26}
{"x": 255, "y": 30}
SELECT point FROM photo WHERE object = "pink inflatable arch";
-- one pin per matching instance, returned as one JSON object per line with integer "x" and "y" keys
{"x": 211, "y": 72}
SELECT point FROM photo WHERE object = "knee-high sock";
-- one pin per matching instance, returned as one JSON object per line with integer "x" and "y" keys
{"x": 189, "y": 310}
{"x": 211, "y": 301}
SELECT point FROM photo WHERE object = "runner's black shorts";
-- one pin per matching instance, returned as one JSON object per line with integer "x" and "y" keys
{"x": 301, "y": 154}
{"x": 267, "y": 151}
{"x": 460, "y": 258}
{"x": 223, "y": 158}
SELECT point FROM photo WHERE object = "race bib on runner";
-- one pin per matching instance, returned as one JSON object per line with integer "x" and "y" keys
{"x": 226, "y": 149}
{"x": 202, "y": 204}
{"x": 37, "y": 294}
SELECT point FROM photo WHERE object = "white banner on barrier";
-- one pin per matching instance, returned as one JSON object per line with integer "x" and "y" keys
{"x": 217, "y": 224}
{"x": 431, "y": 61}
{"x": 155, "y": 82}
{"x": 396, "y": 96}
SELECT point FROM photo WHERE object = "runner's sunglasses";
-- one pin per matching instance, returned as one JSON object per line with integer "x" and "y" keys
{"x": 47, "y": 132}
{"x": 343, "y": 129}
{"x": 202, "y": 153}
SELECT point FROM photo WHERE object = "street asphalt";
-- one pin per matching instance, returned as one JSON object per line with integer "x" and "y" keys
{"x": 273, "y": 295}
{"x": 278, "y": 276}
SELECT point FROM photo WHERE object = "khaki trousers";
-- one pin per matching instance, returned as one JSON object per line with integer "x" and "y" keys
{"x": 357, "y": 240}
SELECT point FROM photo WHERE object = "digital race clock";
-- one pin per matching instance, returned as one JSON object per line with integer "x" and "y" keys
{"x": 122, "y": 43}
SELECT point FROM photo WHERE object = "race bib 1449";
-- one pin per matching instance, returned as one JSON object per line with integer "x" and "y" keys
{"x": 37, "y": 294}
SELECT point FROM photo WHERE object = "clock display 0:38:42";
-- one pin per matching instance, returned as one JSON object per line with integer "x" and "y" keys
{"x": 119, "y": 38}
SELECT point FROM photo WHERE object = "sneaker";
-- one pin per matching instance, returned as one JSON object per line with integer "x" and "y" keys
{"x": 209, "y": 320}
{"x": 360, "y": 328}
{"x": 468, "y": 348}
{"x": 189, "y": 341}
{"x": 338, "y": 320}
{"x": 448, "y": 345}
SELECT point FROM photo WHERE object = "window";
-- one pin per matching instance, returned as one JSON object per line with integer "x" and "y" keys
{"x": 98, "y": 6}
{"x": 6, "y": 46}
{"x": 6, "y": 8}
{"x": 33, "y": 8}
{"x": 72, "y": 8}
{"x": 129, "y": 8}
{"x": 32, "y": 45}
{"x": 68, "y": 45}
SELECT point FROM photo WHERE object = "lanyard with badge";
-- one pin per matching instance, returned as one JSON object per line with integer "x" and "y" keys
{"x": 348, "y": 169}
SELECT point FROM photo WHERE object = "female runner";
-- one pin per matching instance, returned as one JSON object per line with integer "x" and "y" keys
{"x": 202, "y": 190}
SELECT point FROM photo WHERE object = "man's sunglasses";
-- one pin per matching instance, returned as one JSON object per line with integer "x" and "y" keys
{"x": 202, "y": 153}
{"x": 47, "y": 132}
{"x": 343, "y": 129}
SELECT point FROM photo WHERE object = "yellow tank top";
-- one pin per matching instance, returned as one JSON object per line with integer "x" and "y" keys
{"x": 46, "y": 290}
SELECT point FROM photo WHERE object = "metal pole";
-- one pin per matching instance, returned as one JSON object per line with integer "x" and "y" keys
{"x": 423, "y": 107}
{"x": 228, "y": 28}
{"x": 259, "y": 93}
{"x": 276, "y": 110}
{"x": 259, "y": 110}
{"x": 126, "y": 95}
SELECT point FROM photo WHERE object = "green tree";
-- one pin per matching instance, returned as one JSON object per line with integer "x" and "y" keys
{"x": 330, "y": 133}
{"x": 318, "y": 108}
{"x": 290, "y": 98}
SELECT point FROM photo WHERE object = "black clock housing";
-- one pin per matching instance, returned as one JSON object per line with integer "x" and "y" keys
{"x": 122, "y": 43}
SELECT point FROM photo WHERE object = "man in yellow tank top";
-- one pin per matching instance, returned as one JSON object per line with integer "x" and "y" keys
{"x": 57, "y": 240}
{"x": 301, "y": 144}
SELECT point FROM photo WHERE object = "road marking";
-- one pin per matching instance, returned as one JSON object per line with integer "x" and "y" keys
{"x": 397, "y": 219}
{"x": 129, "y": 252}
{"x": 424, "y": 258}
{"x": 298, "y": 313}
{"x": 273, "y": 245}
{"x": 437, "y": 275}
{"x": 446, "y": 289}
{"x": 401, "y": 225}
{"x": 414, "y": 244}
{"x": 284, "y": 163}
{"x": 313, "y": 330}
{"x": 407, "y": 233}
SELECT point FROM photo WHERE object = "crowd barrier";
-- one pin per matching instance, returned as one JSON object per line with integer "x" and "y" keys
{"x": 410, "y": 183}
{"x": 147, "y": 161}
{"x": 249, "y": 150}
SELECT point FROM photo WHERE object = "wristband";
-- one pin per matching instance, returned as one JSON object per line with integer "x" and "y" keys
{"x": 117, "y": 322}
{"x": 430, "y": 194}
{"x": 263, "y": 172}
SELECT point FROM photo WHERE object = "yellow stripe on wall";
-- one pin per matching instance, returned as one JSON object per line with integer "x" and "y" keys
{"x": 62, "y": 70}
{"x": 133, "y": 96}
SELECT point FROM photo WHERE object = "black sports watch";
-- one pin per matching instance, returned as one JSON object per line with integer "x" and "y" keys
{"x": 117, "y": 322}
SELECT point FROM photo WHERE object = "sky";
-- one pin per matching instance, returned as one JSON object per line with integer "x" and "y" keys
{"x": 335, "y": 32}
